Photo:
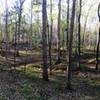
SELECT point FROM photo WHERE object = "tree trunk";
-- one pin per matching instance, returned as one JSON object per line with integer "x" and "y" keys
{"x": 97, "y": 51}
{"x": 79, "y": 32}
{"x": 59, "y": 29}
{"x": 44, "y": 41}
{"x": 67, "y": 30}
{"x": 15, "y": 51}
{"x": 50, "y": 39}
{"x": 85, "y": 25}
{"x": 30, "y": 37}
{"x": 19, "y": 23}
{"x": 6, "y": 31}
{"x": 70, "y": 45}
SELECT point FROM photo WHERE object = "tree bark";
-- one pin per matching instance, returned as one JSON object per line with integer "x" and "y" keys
{"x": 59, "y": 29}
{"x": 70, "y": 45}
{"x": 30, "y": 37}
{"x": 50, "y": 39}
{"x": 97, "y": 51}
{"x": 44, "y": 41}
{"x": 79, "y": 32}
{"x": 67, "y": 30}
{"x": 6, "y": 31}
{"x": 19, "y": 23}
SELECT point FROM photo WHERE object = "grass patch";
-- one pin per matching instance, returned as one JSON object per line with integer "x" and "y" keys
{"x": 30, "y": 73}
{"x": 26, "y": 91}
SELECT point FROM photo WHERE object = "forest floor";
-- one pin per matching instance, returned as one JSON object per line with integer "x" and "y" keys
{"x": 25, "y": 83}
{"x": 30, "y": 57}
{"x": 28, "y": 85}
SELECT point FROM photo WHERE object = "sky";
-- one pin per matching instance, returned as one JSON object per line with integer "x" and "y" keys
{"x": 92, "y": 19}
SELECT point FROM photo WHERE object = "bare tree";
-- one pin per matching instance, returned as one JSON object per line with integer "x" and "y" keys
{"x": 97, "y": 51}
{"x": 21, "y": 2}
{"x": 15, "y": 37}
{"x": 30, "y": 37}
{"x": 44, "y": 41}
{"x": 79, "y": 32}
{"x": 59, "y": 29}
{"x": 6, "y": 29}
{"x": 50, "y": 39}
{"x": 85, "y": 23}
{"x": 67, "y": 29}
{"x": 67, "y": 22}
{"x": 70, "y": 44}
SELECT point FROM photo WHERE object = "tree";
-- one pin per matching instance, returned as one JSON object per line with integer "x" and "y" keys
{"x": 85, "y": 23}
{"x": 37, "y": 23}
{"x": 79, "y": 32}
{"x": 50, "y": 37}
{"x": 6, "y": 29}
{"x": 44, "y": 41}
{"x": 70, "y": 44}
{"x": 21, "y": 2}
{"x": 97, "y": 51}
{"x": 30, "y": 37}
{"x": 15, "y": 36}
{"x": 59, "y": 29}
{"x": 67, "y": 30}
